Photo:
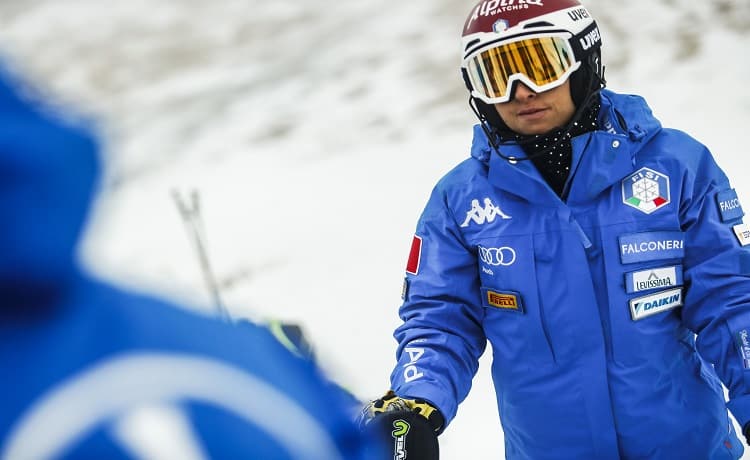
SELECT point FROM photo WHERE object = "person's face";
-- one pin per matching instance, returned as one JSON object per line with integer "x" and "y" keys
{"x": 537, "y": 113}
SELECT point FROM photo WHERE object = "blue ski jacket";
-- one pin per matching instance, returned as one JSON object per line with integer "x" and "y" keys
{"x": 613, "y": 315}
{"x": 92, "y": 371}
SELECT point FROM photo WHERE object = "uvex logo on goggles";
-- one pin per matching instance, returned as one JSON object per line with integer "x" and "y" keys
{"x": 541, "y": 63}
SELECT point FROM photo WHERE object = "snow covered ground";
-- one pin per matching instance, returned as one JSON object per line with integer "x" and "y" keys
{"x": 314, "y": 132}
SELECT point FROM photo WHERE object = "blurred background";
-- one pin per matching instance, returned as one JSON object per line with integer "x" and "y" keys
{"x": 313, "y": 133}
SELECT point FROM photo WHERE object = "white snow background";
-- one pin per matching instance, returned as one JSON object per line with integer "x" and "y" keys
{"x": 314, "y": 132}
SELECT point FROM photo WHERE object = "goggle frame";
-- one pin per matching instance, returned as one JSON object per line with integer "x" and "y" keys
{"x": 560, "y": 37}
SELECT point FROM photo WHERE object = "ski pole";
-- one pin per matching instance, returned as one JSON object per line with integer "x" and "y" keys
{"x": 190, "y": 212}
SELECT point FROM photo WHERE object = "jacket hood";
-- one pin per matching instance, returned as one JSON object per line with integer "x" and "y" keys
{"x": 48, "y": 170}
{"x": 622, "y": 114}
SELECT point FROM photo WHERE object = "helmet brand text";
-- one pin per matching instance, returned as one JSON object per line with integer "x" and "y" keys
{"x": 580, "y": 13}
{"x": 591, "y": 39}
{"x": 493, "y": 7}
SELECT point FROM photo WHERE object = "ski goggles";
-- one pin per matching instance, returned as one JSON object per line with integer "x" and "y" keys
{"x": 541, "y": 63}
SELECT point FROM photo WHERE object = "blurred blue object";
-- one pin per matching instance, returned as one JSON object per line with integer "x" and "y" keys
{"x": 90, "y": 370}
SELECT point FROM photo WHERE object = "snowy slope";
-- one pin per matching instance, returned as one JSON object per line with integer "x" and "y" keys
{"x": 314, "y": 132}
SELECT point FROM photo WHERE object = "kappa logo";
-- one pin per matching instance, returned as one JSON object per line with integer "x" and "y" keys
{"x": 646, "y": 190}
{"x": 481, "y": 215}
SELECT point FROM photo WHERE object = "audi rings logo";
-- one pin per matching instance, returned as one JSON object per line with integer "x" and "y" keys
{"x": 503, "y": 257}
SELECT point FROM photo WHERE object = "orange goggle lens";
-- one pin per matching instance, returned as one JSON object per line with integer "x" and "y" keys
{"x": 541, "y": 62}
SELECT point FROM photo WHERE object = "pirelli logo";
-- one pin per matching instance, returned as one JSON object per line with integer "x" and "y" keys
{"x": 500, "y": 300}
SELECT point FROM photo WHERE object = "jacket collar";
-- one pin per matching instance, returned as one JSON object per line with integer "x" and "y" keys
{"x": 600, "y": 158}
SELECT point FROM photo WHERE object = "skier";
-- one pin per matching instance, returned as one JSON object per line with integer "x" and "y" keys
{"x": 627, "y": 297}
{"x": 90, "y": 370}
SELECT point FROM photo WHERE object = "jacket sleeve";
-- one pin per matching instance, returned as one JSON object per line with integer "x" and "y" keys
{"x": 441, "y": 338}
{"x": 717, "y": 273}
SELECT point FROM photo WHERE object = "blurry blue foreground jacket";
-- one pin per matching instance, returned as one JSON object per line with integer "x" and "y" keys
{"x": 591, "y": 305}
{"x": 90, "y": 371}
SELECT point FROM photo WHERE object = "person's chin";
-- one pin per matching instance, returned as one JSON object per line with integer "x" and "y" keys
{"x": 535, "y": 124}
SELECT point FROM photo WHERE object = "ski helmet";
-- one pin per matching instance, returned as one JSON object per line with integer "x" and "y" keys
{"x": 541, "y": 43}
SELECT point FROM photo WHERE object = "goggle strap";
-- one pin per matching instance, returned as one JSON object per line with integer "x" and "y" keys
{"x": 588, "y": 40}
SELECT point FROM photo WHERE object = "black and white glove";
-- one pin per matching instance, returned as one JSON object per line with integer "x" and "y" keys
{"x": 407, "y": 427}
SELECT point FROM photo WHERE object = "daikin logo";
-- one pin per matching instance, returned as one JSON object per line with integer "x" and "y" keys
{"x": 655, "y": 303}
{"x": 493, "y": 7}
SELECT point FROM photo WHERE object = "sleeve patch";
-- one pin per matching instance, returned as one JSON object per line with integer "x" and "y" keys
{"x": 729, "y": 205}
{"x": 405, "y": 289}
{"x": 743, "y": 343}
{"x": 742, "y": 231}
{"x": 415, "y": 256}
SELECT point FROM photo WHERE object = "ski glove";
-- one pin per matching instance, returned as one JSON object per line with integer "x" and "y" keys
{"x": 403, "y": 427}
{"x": 391, "y": 402}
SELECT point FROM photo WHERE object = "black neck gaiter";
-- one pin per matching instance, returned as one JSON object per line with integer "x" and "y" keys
{"x": 554, "y": 164}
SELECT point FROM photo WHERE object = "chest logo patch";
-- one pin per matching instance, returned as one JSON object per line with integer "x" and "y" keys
{"x": 642, "y": 307}
{"x": 498, "y": 257}
{"x": 482, "y": 215}
{"x": 646, "y": 190}
{"x": 653, "y": 278}
{"x": 641, "y": 247}
{"x": 503, "y": 300}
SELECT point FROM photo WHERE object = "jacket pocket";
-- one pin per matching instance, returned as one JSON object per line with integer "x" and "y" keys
{"x": 514, "y": 320}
